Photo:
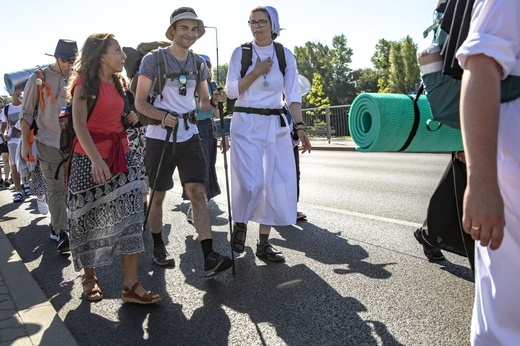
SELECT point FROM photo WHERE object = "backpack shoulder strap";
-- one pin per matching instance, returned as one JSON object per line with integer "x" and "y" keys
{"x": 247, "y": 58}
{"x": 41, "y": 85}
{"x": 161, "y": 71}
{"x": 6, "y": 110}
{"x": 280, "y": 55}
{"x": 198, "y": 66}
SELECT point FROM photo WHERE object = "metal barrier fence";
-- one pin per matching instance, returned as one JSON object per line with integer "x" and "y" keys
{"x": 329, "y": 122}
{"x": 326, "y": 122}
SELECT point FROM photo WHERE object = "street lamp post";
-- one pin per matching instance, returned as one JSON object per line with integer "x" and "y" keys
{"x": 216, "y": 45}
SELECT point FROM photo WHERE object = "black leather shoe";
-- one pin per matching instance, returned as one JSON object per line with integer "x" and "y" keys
{"x": 432, "y": 253}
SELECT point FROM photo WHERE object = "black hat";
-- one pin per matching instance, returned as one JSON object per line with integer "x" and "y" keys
{"x": 65, "y": 49}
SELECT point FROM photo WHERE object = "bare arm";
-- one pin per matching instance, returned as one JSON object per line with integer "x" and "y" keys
{"x": 296, "y": 113}
{"x": 480, "y": 108}
{"x": 25, "y": 150}
{"x": 144, "y": 85}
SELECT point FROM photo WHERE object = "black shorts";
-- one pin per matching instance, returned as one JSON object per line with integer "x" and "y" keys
{"x": 189, "y": 158}
{"x": 3, "y": 148}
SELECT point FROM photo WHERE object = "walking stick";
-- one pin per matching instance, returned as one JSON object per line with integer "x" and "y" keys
{"x": 163, "y": 153}
{"x": 230, "y": 219}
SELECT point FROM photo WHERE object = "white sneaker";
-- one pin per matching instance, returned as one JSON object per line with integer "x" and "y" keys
{"x": 43, "y": 208}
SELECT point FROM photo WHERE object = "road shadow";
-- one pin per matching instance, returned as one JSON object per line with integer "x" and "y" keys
{"x": 281, "y": 302}
{"x": 329, "y": 247}
{"x": 215, "y": 211}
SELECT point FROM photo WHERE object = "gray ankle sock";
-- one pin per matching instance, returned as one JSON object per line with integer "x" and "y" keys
{"x": 264, "y": 238}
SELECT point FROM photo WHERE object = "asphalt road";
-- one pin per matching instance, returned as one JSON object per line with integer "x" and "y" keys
{"x": 354, "y": 273}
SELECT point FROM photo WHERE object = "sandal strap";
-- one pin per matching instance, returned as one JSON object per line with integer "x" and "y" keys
{"x": 88, "y": 279}
{"x": 273, "y": 249}
{"x": 132, "y": 289}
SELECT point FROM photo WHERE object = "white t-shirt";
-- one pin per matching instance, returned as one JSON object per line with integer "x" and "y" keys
{"x": 12, "y": 118}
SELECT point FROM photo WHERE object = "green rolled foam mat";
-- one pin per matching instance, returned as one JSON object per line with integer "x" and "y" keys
{"x": 383, "y": 122}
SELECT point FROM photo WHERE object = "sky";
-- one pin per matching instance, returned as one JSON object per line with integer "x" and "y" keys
{"x": 31, "y": 28}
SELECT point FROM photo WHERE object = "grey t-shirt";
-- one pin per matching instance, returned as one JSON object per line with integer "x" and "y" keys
{"x": 171, "y": 99}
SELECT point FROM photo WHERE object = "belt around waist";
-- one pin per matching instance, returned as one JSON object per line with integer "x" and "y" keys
{"x": 260, "y": 111}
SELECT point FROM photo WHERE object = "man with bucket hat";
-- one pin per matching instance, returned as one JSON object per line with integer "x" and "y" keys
{"x": 44, "y": 95}
{"x": 174, "y": 108}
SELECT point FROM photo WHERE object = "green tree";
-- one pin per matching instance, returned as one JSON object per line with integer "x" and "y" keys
{"x": 381, "y": 62}
{"x": 332, "y": 64}
{"x": 317, "y": 96}
{"x": 221, "y": 75}
{"x": 396, "y": 64}
{"x": 366, "y": 80}
{"x": 343, "y": 89}
{"x": 411, "y": 66}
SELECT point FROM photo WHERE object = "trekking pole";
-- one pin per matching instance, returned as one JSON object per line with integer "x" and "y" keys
{"x": 230, "y": 219}
{"x": 163, "y": 154}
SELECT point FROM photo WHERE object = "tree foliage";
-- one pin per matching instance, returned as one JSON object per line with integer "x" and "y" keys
{"x": 317, "y": 96}
{"x": 334, "y": 82}
{"x": 333, "y": 66}
{"x": 397, "y": 66}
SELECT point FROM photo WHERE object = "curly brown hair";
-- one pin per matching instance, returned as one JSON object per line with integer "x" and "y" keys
{"x": 89, "y": 63}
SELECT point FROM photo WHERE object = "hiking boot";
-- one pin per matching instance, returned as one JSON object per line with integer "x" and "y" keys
{"x": 53, "y": 234}
{"x": 189, "y": 216}
{"x": 161, "y": 257}
{"x": 432, "y": 253}
{"x": 268, "y": 252}
{"x": 215, "y": 263}
{"x": 63, "y": 242}
{"x": 43, "y": 208}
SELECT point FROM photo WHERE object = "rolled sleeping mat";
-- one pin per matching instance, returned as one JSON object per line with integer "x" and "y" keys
{"x": 17, "y": 79}
{"x": 384, "y": 122}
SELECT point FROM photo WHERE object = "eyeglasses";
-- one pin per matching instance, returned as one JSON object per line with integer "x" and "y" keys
{"x": 182, "y": 88}
{"x": 261, "y": 23}
{"x": 70, "y": 61}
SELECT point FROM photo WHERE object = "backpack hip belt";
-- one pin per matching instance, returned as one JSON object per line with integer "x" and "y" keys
{"x": 263, "y": 111}
{"x": 187, "y": 117}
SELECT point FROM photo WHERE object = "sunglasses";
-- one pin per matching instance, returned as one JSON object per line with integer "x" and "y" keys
{"x": 182, "y": 88}
{"x": 70, "y": 61}
{"x": 261, "y": 23}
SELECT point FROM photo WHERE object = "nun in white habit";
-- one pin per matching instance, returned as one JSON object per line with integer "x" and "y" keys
{"x": 263, "y": 173}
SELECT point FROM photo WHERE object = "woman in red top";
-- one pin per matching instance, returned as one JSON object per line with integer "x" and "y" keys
{"x": 105, "y": 208}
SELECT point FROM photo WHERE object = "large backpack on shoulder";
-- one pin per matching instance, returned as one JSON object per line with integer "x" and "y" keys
{"x": 440, "y": 71}
{"x": 247, "y": 60}
{"x": 132, "y": 69}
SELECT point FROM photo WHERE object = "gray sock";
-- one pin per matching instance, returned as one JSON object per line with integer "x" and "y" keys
{"x": 264, "y": 239}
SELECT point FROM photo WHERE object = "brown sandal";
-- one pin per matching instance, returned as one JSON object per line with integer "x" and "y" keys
{"x": 130, "y": 296}
{"x": 93, "y": 294}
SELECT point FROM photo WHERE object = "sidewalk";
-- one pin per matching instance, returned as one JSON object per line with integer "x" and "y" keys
{"x": 335, "y": 144}
{"x": 26, "y": 315}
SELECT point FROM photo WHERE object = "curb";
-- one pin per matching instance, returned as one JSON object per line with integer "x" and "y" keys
{"x": 40, "y": 324}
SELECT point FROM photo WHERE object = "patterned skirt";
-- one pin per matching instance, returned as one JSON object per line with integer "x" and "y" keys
{"x": 106, "y": 219}
{"x": 137, "y": 143}
{"x": 38, "y": 186}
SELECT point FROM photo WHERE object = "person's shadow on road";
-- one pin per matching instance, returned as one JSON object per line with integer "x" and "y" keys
{"x": 291, "y": 303}
{"x": 329, "y": 247}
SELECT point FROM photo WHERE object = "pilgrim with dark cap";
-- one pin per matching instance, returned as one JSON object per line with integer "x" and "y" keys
{"x": 44, "y": 96}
